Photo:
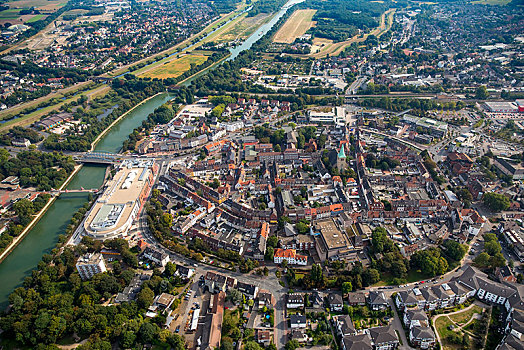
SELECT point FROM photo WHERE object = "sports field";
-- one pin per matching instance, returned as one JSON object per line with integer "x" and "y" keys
{"x": 296, "y": 26}
{"x": 175, "y": 67}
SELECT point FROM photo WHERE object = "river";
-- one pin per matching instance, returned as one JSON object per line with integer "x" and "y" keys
{"x": 44, "y": 235}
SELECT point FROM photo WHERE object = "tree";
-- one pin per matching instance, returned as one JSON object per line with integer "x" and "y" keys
{"x": 226, "y": 344}
{"x": 455, "y": 250}
{"x": 492, "y": 247}
{"x": 346, "y": 287}
{"x": 177, "y": 342}
{"x": 370, "y": 276}
{"x": 145, "y": 297}
{"x": 272, "y": 241}
{"x": 170, "y": 269}
{"x": 481, "y": 93}
{"x": 147, "y": 332}
{"x": 127, "y": 339}
{"x": 302, "y": 227}
{"x": 292, "y": 345}
{"x": 24, "y": 209}
{"x": 497, "y": 260}
{"x": 482, "y": 260}
{"x": 269, "y": 253}
{"x": 378, "y": 239}
{"x": 234, "y": 296}
{"x": 496, "y": 201}
{"x": 251, "y": 345}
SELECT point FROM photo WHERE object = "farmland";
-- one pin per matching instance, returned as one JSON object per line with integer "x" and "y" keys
{"x": 297, "y": 25}
{"x": 41, "y": 5}
{"x": 240, "y": 29}
{"x": 174, "y": 68}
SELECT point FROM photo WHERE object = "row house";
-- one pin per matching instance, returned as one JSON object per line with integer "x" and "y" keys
{"x": 249, "y": 290}
{"x": 294, "y": 301}
{"x": 218, "y": 283}
{"x": 215, "y": 243}
{"x": 435, "y": 297}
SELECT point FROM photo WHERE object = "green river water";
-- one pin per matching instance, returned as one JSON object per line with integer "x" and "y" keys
{"x": 44, "y": 235}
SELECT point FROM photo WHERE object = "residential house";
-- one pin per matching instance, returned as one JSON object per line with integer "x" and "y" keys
{"x": 384, "y": 338}
{"x": 357, "y": 342}
{"x": 377, "y": 300}
{"x": 294, "y": 301}
{"x": 249, "y": 290}
{"x": 357, "y": 298}
{"x": 156, "y": 256}
{"x": 422, "y": 337}
{"x": 504, "y": 274}
{"x": 344, "y": 325}
{"x": 298, "y": 321}
{"x": 336, "y": 302}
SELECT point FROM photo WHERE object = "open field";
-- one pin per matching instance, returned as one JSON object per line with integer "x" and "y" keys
{"x": 296, "y": 26}
{"x": 10, "y": 14}
{"x": 42, "y": 5}
{"x": 333, "y": 49}
{"x": 35, "y": 18}
{"x": 241, "y": 28}
{"x": 492, "y": 2}
{"x": 174, "y": 68}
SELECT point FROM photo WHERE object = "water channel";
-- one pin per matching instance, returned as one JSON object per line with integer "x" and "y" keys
{"x": 44, "y": 235}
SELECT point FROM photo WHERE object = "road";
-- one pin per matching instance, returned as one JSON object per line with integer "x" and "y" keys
{"x": 398, "y": 326}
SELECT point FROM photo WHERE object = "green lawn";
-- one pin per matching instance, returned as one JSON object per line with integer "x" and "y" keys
{"x": 10, "y": 14}
{"x": 443, "y": 322}
{"x": 35, "y": 18}
{"x": 442, "y": 325}
{"x": 466, "y": 315}
{"x": 413, "y": 276}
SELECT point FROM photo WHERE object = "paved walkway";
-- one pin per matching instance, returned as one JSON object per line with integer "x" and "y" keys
{"x": 434, "y": 319}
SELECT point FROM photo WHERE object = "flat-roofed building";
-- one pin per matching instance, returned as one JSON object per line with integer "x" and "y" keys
{"x": 89, "y": 265}
{"x": 501, "y": 107}
{"x": 330, "y": 242}
{"x": 115, "y": 210}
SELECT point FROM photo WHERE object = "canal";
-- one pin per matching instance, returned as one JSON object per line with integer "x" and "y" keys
{"x": 44, "y": 235}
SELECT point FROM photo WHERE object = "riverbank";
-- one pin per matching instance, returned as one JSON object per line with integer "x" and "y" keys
{"x": 117, "y": 120}
{"x": 190, "y": 78}
{"x": 41, "y": 213}
{"x": 37, "y": 218}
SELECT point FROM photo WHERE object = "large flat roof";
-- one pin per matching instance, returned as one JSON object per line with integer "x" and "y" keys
{"x": 333, "y": 237}
{"x": 114, "y": 207}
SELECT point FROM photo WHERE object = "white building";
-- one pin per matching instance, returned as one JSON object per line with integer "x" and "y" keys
{"x": 290, "y": 255}
{"x": 156, "y": 256}
{"x": 89, "y": 265}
